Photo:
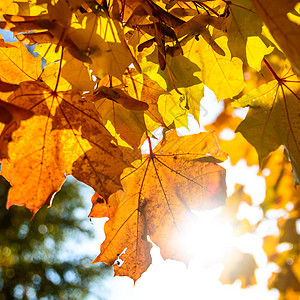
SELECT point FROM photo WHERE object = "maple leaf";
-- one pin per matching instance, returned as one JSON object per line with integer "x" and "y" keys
{"x": 269, "y": 103}
{"x": 159, "y": 195}
{"x": 17, "y": 64}
{"x": 72, "y": 74}
{"x": 239, "y": 266}
{"x": 92, "y": 38}
{"x": 55, "y": 128}
{"x": 181, "y": 67}
{"x": 214, "y": 67}
{"x": 103, "y": 39}
{"x": 280, "y": 189}
{"x": 183, "y": 92}
{"x": 65, "y": 136}
{"x": 282, "y": 26}
{"x": 124, "y": 115}
{"x": 244, "y": 41}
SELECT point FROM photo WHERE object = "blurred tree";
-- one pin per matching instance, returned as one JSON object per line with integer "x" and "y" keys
{"x": 36, "y": 261}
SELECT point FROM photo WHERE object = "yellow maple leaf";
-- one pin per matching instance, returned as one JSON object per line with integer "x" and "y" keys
{"x": 274, "y": 13}
{"x": 103, "y": 40}
{"x": 273, "y": 118}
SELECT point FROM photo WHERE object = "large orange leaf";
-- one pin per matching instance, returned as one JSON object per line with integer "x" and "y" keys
{"x": 65, "y": 136}
{"x": 159, "y": 196}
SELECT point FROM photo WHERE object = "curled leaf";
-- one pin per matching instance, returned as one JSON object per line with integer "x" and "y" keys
{"x": 117, "y": 95}
{"x": 10, "y": 112}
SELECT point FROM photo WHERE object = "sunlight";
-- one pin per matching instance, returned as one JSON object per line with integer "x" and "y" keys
{"x": 206, "y": 238}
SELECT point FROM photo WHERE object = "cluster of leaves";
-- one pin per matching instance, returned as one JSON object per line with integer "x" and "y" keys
{"x": 33, "y": 260}
{"x": 117, "y": 70}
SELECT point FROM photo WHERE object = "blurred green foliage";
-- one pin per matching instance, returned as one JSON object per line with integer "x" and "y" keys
{"x": 37, "y": 257}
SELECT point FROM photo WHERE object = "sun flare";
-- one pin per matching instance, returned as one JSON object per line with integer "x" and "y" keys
{"x": 206, "y": 237}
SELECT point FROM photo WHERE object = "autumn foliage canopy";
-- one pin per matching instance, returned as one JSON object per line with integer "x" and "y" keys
{"x": 109, "y": 73}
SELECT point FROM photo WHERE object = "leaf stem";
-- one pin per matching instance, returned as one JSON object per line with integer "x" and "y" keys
{"x": 110, "y": 81}
{"x": 207, "y": 7}
{"x": 150, "y": 148}
{"x": 272, "y": 71}
{"x": 59, "y": 70}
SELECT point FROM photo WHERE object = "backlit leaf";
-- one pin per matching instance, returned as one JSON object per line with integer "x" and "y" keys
{"x": 112, "y": 75}
{"x": 185, "y": 89}
{"x": 275, "y": 15}
{"x": 159, "y": 194}
{"x": 17, "y": 64}
{"x": 64, "y": 137}
{"x": 273, "y": 118}
{"x": 280, "y": 185}
{"x": 129, "y": 124}
{"x": 222, "y": 74}
{"x": 244, "y": 41}
{"x": 147, "y": 90}
{"x": 239, "y": 266}
{"x": 103, "y": 39}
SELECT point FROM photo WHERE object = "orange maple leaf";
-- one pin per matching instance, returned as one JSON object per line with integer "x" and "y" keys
{"x": 158, "y": 196}
{"x": 65, "y": 136}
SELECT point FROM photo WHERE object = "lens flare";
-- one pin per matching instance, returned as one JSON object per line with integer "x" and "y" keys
{"x": 206, "y": 237}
